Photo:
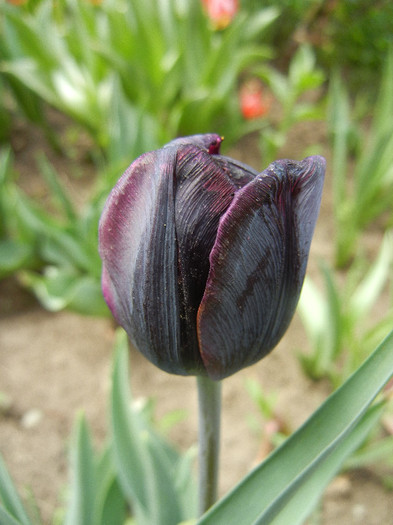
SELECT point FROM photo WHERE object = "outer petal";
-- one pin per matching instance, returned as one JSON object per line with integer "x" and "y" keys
{"x": 257, "y": 265}
{"x": 139, "y": 251}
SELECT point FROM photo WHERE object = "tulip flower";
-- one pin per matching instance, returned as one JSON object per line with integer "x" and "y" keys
{"x": 221, "y": 12}
{"x": 203, "y": 257}
{"x": 254, "y": 102}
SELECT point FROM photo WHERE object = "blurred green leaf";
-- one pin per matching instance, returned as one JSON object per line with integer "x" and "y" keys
{"x": 11, "y": 511}
{"x": 7, "y": 519}
{"x": 367, "y": 193}
{"x": 298, "y": 508}
{"x": 110, "y": 504}
{"x": 59, "y": 193}
{"x": 370, "y": 288}
{"x": 94, "y": 495}
{"x": 178, "y": 75}
{"x": 14, "y": 255}
{"x": 80, "y": 509}
{"x": 59, "y": 288}
{"x": 149, "y": 470}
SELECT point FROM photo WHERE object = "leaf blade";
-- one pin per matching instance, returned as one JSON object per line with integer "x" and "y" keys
{"x": 327, "y": 428}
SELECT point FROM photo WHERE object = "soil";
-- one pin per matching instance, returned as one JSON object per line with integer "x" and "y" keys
{"x": 54, "y": 365}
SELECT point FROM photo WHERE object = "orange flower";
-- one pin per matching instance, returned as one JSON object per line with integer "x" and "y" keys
{"x": 221, "y": 12}
{"x": 254, "y": 103}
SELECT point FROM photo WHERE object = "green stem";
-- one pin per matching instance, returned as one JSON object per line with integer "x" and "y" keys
{"x": 209, "y": 397}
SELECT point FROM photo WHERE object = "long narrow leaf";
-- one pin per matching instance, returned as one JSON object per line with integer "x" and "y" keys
{"x": 58, "y": 191}
{"x": 6, "y": 518}
{"x": 81, "y": 506}
{"x": 290, "y": 466}
{"x": 141, "y": 463}
{"x": 371, "y": 286}
{"x": 127, "y": 445}
{"x": 110, "y": 504}
{"x": 10, "y": 500}
{"x": 298, "y": 508}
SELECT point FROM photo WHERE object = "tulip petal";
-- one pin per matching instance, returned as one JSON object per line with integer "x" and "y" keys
{"x": 205, "y": 187}
{"x": 139, "y": 252}
{"x": 257, "y": 265}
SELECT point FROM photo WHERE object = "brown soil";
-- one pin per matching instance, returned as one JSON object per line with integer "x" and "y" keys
{"x": 56, "y": 364}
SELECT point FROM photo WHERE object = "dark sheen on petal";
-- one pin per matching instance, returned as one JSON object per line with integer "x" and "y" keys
{"x": 257, "y": 265}
{"x": 139, "y": 251}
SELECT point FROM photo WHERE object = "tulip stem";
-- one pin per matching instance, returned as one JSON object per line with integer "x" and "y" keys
{"x": 209, "y": 397}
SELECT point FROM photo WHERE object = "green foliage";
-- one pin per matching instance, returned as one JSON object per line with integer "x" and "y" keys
{"x": 338, "y": 320}
{"x": 139, "y": 473}
{"x": 54, "y": 253}
{"x": 353, "y": 36}
{"x": 359, "y": 38}
{"x": 150, "y": 472}
{"x": 303, "y": 77}
{"x": 16, "y": 249}
{"x": 12, "y": 511}
{"x": 95, "y": 497}
{"x": 285, "y": 487}
{"x": 273, "y": 430}
{"x": 135, "y": 75}
{"x": 368, "y": 194}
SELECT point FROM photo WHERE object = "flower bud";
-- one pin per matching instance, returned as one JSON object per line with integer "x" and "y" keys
{"x": 203, "y": 257}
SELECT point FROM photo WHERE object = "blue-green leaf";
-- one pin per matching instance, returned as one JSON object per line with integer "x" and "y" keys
{"x": 81, "y": 504}
{"x": 145, "y": 471}
{"x": 11, "y": 509}
{"x": 314, "y": 448}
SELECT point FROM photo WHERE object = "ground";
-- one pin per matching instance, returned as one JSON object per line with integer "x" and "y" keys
{"x": 54, "y": 365}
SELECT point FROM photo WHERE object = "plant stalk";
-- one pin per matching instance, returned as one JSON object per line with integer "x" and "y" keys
{"x": 209, "y": 398}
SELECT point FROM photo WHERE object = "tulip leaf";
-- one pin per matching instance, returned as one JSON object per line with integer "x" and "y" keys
{"x": 13, "y": 256}
{"x": 58, "y": 288}
{"x": 11, "y": 507}
{"x": 57, "y": 190}
{"x": 146, "y": 465}
{"x": 81, "y": 506}
{"x": 314, "y": 452}
{"x": 294, "y": 510}
{"x": 371, "y": 286}
{"x": 7, "y": 519}
{"x": 110, "y": 504}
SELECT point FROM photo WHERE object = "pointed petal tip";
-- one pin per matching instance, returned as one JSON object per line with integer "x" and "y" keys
{"x": 317, "y": 161}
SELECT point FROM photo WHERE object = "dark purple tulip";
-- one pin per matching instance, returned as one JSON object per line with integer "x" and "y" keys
{"x": 203, "y": 257}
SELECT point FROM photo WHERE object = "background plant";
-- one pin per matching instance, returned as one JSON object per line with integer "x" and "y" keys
{"x": 345, "y": 35}
{"x": 338, "y": 319}
{"x": 134, "y": 75}
{"x": 291, "y": 91}
{"x": 53, "y": 250}
{"x": 362, "y": 163}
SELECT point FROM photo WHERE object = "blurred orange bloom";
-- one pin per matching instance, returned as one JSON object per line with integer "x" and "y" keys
{"x": 254, "y": 102}
{"x": 221, "y": 12}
